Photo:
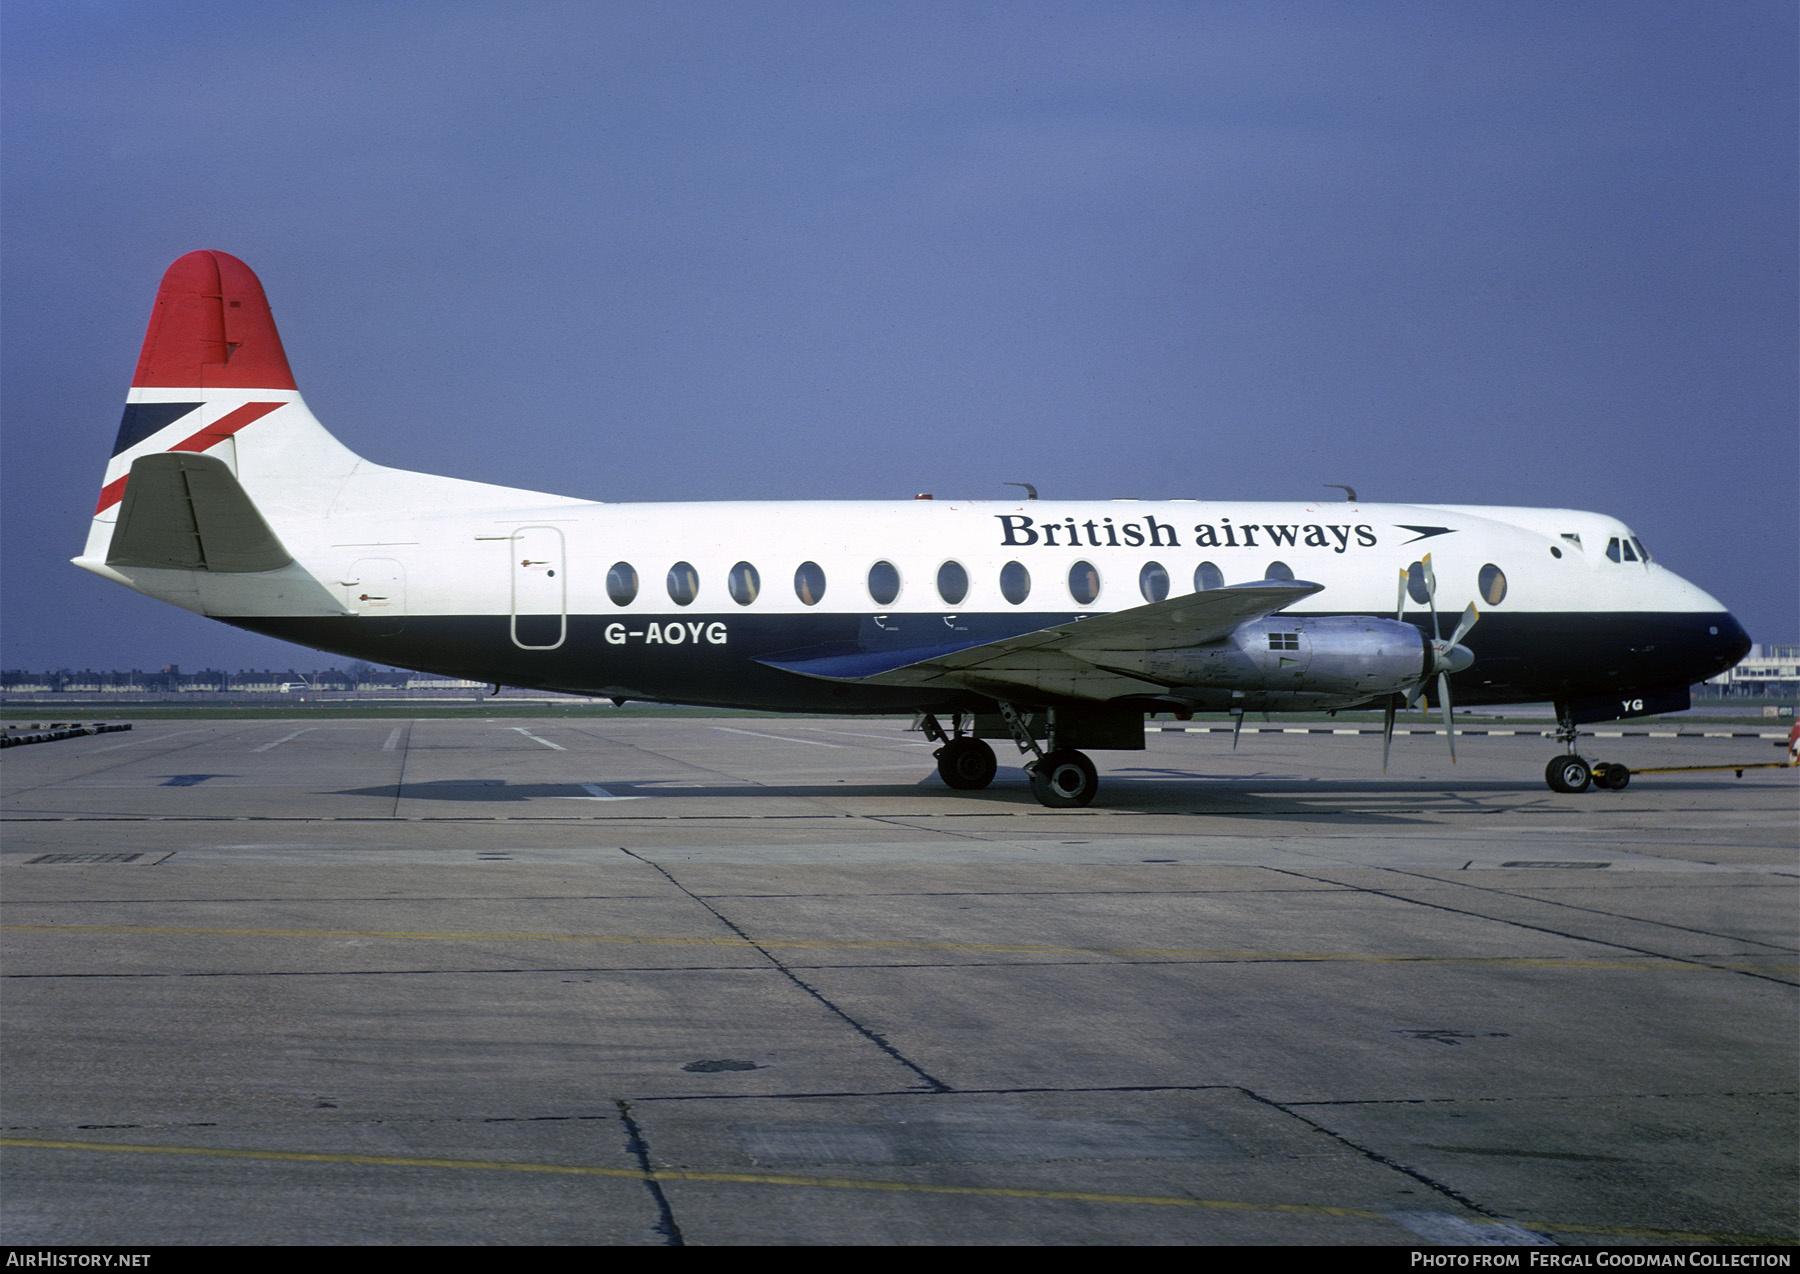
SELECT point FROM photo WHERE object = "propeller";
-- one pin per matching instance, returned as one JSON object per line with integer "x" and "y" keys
{"x": 1446, "y": 657}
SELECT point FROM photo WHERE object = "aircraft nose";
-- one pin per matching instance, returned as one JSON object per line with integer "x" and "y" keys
{"x": 1733, "y": 642}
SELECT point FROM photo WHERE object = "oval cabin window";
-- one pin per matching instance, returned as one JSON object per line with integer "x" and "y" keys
{"x": 1208, "y": 577}
{"x": 743, "y": 583}
{"x": 684, "y": 584}
{"x": 1015, "y": 582}
{"x": 809, "y": 583}
{"x": 1493, "y": 584}
{"x": 884, "y": 583}
{"x": 953, "y": 583}
{"x": 622, "y": 583}
{"x": 1084, "y": 583}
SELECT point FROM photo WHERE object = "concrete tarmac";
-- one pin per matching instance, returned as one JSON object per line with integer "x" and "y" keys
{"x": 655, "y": 981}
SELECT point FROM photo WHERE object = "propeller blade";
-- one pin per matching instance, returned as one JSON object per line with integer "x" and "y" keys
{"x": 1387, "y": 731}
{"x": 1237, "y": 725}
{"x": 1449, "y": 715}
{"x": 1463, "y": 625}
{"x": 1400, "y": 601}
{"x": 1431, "y": 596}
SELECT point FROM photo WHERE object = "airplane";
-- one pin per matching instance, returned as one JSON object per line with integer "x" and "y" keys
{"x": 1057, "y": 624}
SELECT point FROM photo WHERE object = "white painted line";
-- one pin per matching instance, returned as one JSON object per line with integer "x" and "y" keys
{"x": 393, "y": 740}
{"x": 283, "y": 739}
{"x": 1664, "y": 734}
{"x": 785, "y": 738}
{"x": 597, "y": 793}
{"x": 1609, "y": 734}
{"x": 1349, "y": 732}
{"x": 132, "y": 743}
{"x": 528, "y": 734}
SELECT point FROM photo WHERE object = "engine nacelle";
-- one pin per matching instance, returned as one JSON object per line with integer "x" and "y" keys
{"x": 1285, "y": 661}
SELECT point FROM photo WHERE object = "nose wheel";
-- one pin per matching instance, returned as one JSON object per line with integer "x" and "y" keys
{"x": 1572, "y": 774}
{"x": 1568, "y": 774}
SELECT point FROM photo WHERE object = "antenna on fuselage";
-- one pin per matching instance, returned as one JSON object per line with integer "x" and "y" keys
{"x": 1030, "y": 491}
{"x": 1349, "y": 492}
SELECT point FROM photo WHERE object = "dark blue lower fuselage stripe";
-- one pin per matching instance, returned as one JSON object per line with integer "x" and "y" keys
{"x": 714, "y": 659}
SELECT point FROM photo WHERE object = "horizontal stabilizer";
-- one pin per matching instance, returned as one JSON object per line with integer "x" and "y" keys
{"x": 185, "y": 511}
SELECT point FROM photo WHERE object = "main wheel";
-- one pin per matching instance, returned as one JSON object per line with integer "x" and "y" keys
{"x": 966, "y": 764}
{"x": 1064, "y": 779}
{"x": 1611, "y": 775}
{"x": 1568, "y": 774}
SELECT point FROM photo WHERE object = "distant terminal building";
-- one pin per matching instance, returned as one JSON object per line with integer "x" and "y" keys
{"x": 1771, "y": 672}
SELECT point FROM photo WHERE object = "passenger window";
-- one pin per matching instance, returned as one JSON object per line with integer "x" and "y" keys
{"x": 809, "y": 583}
{"x": 743, "y": 583}
{"x": 1153, "y": 582}
{"x": 1015, "y": 582}
{"x": 884, "y": 583}
{"x": 684, "y": 584}
{"x": 1493, "y": 584}
{"x": 953, "y": 583}
{"x": 1612, "y": 548}
{"x": 1278, "y": 570}
{"x": 1084, "y": 583}
{"x": 1415, "y": 584}
{"x": 1208, "y": 577}
{"x": 621, "y": 583}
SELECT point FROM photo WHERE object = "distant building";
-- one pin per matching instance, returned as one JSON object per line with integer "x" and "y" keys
{"x": 1767, "y": 671}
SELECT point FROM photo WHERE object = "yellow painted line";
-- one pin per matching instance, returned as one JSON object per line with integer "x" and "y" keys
{"x": 978, "y": 948}
{"x": 845, "y": 1183}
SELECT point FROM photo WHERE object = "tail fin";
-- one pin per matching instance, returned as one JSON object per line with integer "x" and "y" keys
{"x": 214, "y": 379}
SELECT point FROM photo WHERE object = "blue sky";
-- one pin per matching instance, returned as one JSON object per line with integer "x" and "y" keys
{"x": 1472, "y": 253}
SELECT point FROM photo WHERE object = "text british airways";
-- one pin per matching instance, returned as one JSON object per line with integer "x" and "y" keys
{"x": 1018, "y": 531}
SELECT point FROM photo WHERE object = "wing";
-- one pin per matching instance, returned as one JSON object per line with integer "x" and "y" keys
{"x": 1066, "y": 659}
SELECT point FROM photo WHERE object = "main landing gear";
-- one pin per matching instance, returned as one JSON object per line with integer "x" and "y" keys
{"x": 964, "y": 762}
{"x": 1061, "y": 778}
{"x": 1570, "y": 773}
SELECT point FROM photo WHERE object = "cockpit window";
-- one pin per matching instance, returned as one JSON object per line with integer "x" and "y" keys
{"x": 1612, "y": 549}
{"x": 1642, "y": 551}
{"x": 1630, "y": 553}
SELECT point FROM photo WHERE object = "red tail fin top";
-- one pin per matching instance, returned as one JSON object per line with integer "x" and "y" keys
{"x": 212, "y": 329}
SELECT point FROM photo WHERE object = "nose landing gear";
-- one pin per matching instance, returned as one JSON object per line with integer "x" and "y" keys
{"x": 1570, "y": 773}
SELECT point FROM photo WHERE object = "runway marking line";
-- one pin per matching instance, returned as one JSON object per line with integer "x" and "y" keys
{"x": 283, "y": 739}
{"x": 853, "y": 1183}
{"x": 528, "y": 734}
{"x": 980, "y": 948}
{"x": 784, "y": 738}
